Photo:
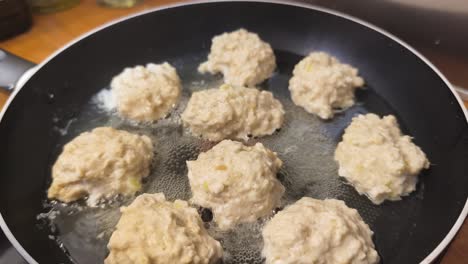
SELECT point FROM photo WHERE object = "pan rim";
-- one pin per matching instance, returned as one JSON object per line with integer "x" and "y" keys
{"x": 428, "y": 259}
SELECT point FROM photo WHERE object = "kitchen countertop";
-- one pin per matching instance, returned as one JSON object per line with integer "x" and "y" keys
{"x": 51, "y": 31}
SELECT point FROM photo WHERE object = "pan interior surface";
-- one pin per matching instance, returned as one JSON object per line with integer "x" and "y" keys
{"x": 57, "y": 104}
{"x": 305, "y": 144}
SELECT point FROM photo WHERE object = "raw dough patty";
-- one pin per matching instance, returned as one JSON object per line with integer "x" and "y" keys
{"x": 320, "y": 84}
{"x": 152, "y": 230}
{"x": 236, "y": 181}
{"x": 146, "y": 93}
{"x": 101, "y": 164}
{"x": 233, "y": 112}
{"x": 315, "y": 231}
{"x": 378, "y": 160}
{"x": 242, "y": 57}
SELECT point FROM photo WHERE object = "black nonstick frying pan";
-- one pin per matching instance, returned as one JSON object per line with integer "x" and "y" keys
{"x": 55, "y": 105}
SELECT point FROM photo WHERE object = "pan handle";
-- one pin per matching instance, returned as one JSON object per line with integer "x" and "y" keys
{"x": 11, "y": 69}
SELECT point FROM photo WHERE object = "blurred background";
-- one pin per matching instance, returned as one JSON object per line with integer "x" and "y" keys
{"x": 33, "y": 29}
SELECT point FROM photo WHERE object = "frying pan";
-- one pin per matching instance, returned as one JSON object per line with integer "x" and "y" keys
{"x": 399, "y": 81}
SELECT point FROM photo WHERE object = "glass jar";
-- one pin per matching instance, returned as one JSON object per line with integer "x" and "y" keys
{"x": 15, "y": 18}
{"x": 118, "y": 3}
